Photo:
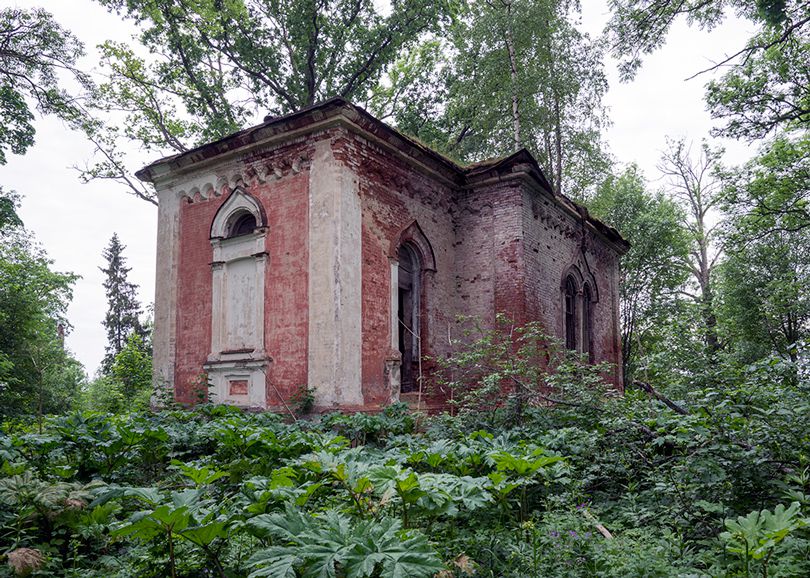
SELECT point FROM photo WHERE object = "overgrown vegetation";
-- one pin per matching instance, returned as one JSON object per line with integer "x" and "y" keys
{"x": 714, "y": 483}
{"x": 700, "y": 469}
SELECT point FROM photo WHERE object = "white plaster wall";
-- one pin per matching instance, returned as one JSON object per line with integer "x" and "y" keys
{"x": 168, "y": 247}
{"x": 335, "y": 304}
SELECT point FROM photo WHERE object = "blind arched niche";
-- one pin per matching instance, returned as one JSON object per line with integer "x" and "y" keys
{"x": 237, "y": 358}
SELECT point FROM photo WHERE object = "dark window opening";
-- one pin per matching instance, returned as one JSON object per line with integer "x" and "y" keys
{"x": 570, "y": 313}
{"x": 408, "y": 316}
{"x": 244, "y": 225}
{"x": 587, "y": 323}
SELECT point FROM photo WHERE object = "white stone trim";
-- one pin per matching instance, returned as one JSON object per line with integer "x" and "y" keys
{"x": 394, "y": 305}
{"x": 166, "y": 281}
{"x": 236, "y": 205}
{"x": 247, "y": 362}
{"x": 220, "y": 375}
{"x": 334, "y": 360}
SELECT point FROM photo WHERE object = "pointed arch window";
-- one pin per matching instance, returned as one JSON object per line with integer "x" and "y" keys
{"x": 570, "y": 306}
{"x": 409, "y": 279}
{"x": 412, "y": 259}
{"x": 243, "y": 224}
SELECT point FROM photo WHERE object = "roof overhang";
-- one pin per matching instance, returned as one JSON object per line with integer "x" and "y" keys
{"x": 277, "y": 130}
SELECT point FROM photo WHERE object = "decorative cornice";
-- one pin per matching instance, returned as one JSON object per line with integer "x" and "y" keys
{"x": 335, "y": 112}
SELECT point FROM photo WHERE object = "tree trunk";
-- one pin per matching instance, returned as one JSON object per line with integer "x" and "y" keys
{"x": 510, "y": 47}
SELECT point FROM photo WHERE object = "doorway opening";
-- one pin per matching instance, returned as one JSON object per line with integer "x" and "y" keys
{"x": 409, "y": 289}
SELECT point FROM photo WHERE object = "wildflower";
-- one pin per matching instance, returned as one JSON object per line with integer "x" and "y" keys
{"x": 572, "y": 534}
{"x": 465, "y": 564}
{"x": 75, "y": 504}
{"x": 554, "y": 534}
{"x": 25, "y": 560}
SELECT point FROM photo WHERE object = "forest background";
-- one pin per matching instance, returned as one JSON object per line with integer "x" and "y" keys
{"x": 715, "y": 308}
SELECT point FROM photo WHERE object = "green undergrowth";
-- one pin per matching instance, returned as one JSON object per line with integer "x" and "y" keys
{"x": 608, "y": 486}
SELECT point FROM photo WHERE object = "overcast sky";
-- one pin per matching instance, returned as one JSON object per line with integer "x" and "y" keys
{"x": 74, "y": 221}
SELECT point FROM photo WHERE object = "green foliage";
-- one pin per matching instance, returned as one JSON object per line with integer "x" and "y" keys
{"x": 213, "y": 64}
{"x": 248, "y": 494}
{"x": 766, "y": 306}
{"x": 362, "y": 428}
{"x": 104, "y": 394}
{"x": 766, "y": 92}
{"x": 303, "y": 400}
{"x": 37, "y": 375}
{"x": 580, "y": 483}
{"x": 35, "y": 50}
{"x": 122, "y": 317}
{"x": 764, "y": 280}
{"x": 133, "y": 367}
{"x": 756, "y": 534}
{"x": 507, "y": 75}
{"x": 771, "y": 193}
{"x": 512, "y": 368}
{"x": 653, "y": 269}
{"x": 332, "y": 546}
{"x": 129, "y": 385}
{"x": 763, "y": 90}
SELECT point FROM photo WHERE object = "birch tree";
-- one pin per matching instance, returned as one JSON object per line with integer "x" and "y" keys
{"x": 512, "y": 74}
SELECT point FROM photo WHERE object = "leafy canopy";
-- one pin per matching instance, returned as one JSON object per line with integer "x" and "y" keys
{"x": 215, "y": 65}
{"x": 34, "y": 49}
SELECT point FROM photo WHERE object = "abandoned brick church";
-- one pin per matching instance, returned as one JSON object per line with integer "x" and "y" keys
{"x": 324, "y": 248}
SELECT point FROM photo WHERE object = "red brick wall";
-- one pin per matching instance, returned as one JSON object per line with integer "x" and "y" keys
{"x": 285, "y": 202}
{"x": 193, "y": 341}
{"x": 552, "y": 245}
{"x": 489, "y": 260}
{"x": 498, "y": 247}
{"x": 394, "y": 195}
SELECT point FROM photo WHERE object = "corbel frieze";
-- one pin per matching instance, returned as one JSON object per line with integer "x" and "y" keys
{"x": 220, "y": 183}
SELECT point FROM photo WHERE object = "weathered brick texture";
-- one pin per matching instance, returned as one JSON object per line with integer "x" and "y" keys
{"x": 493, "y": 239}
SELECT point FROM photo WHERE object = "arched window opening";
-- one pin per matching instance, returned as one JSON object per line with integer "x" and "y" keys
{"x": 587, "y": 322}
{"x": 244, "y": 224}
{"x": 570, "y": 313}
{"x": 408, "y": 314}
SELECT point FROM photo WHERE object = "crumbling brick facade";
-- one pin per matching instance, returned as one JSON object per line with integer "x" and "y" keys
{"x": 325, "y": 249}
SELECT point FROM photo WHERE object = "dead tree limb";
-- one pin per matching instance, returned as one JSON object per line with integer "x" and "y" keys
{"x": 652, "y": 392}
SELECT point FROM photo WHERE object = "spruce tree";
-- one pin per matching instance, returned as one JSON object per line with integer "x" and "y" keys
{"x": 123, "y": 309}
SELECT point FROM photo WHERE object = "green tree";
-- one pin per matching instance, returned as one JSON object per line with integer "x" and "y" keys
{"x": 652, "y": 271}
{"x": 765, "y": 305}
{"x": 37, "y": 375}
{"x": 766, "y": 276}
{"x": 771, "y": 193}
{"x": 123, "y": 308}
{"x": 769, "y": 90}
{"x": 510, "y": 74}
{"x": 34, "y": 50}
{"x": 215, "y": 64}
{"x": 133, "y": 367}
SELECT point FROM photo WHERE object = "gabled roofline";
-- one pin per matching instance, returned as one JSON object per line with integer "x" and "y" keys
{"x": 522, "y": 165}
{"x": 339, "y": 111}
